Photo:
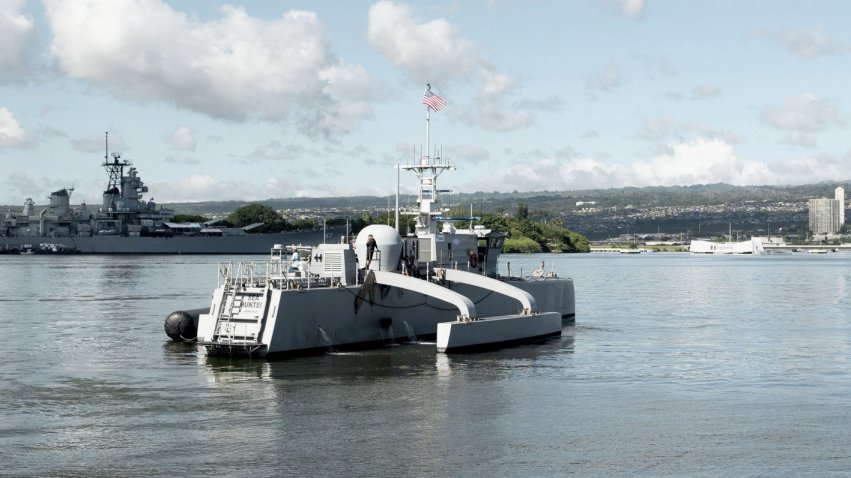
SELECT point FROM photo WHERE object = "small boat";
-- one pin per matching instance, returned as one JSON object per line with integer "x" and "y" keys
{"x": 432, "y": 284}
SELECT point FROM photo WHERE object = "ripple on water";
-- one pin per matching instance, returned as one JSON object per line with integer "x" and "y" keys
{"x": 676, "y": 366}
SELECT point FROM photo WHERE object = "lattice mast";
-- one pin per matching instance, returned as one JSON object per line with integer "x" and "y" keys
{"x": 114, "y": 168}
{"x": 427, "y": 168}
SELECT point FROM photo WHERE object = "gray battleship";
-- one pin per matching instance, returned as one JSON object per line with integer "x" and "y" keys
{"x": 125, "y": 223}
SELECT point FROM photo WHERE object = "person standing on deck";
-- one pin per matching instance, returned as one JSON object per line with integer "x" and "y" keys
{"x": 371, "y": 247}
{"x": 295, "y": 261}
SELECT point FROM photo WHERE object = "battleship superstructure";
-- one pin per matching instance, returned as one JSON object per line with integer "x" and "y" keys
{"x": 125, "y": 223}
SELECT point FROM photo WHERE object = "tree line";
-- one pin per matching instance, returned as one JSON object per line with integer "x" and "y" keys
{"x": 527, "y": 232}
{"x": 542, "y": 232}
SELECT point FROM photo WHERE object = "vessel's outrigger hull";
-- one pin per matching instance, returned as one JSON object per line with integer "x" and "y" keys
{"x": 494, "y": 332}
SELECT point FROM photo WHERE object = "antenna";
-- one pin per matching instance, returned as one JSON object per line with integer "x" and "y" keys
{"x": 428, "y": 167}
{"x": 114, "y": 168}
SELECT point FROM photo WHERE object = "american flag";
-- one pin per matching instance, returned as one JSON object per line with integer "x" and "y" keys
{"x": 432, "y": 100}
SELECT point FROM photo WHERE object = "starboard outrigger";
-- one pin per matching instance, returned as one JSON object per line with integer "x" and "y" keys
{"x": 442, "y": 284}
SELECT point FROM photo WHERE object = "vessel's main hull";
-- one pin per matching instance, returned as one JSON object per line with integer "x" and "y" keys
{"x": 308, "y": 321}
{"x": 106, "y": 244}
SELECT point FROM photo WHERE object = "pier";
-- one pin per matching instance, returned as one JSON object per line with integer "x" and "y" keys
{"x": 805, "y": 248}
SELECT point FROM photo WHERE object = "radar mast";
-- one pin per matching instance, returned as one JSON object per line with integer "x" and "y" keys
{"x": 427, "y": 169}
{"x": 114, "y": 168}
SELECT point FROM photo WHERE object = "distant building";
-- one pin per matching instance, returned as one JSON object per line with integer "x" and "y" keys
{"x": 827, "y": 216}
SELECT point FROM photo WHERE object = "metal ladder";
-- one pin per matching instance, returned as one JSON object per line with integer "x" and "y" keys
{"x": 241, "y": 317}
{"x": 223, "y": 320}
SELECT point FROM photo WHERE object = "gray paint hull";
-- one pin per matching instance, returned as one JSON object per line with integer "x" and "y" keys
{"x": 309, "y": 321}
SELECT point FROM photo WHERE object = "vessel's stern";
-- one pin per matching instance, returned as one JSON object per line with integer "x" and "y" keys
{"x": 236, "y": 322}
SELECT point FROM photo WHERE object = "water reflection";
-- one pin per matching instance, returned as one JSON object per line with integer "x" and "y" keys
{"x": 390, "y": 362}
{"x": 357, "y": 366}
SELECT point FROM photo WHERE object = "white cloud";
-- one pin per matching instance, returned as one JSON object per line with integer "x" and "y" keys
{"x": 328, "y": 123}
{"x": 704, "y": 91}
{"x": 275, "y": 151}
{"x": 657, "y": 128}
{"x": 182, "y": 160}
{"x": 276, "y": 188}
{"x": 811, "y": 44}
{"x": 664, "y": 69}
{"x": 499, "y": 106}
{"x": 802, "y": 117}
{"x": 201, "y": 187}
{"x": 423, "y": 49}
{"x": 23, "y": 184}
{"x": 496, "y": 84}
{"x": 12, "y": 135}
{"x": 551, "y": 173}
{"x": 237, "y": 67}
{"x": 607, "y": 79}
{"x": 632, "y": 8}
{"x": 698, "y": 129}
{"x": 700, "y": 161}
{"x": 420, "y": 48}
{"x": 468, "y": 153}
{"x": 182, "y": 139}
{"x": 628, "y": 8}
{"x": 664, "y": 128}
{"x": 17, "y": 39}
{"x": 811, "y": 169}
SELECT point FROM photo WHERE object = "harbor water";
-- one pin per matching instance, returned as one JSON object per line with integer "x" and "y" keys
{"x": 678, "y": 365}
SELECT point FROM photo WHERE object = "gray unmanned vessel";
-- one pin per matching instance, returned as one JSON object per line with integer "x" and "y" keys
{"x": 434, "y": 283}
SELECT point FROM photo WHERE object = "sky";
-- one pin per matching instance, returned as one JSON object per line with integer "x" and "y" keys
{"x": 261, "y": 99}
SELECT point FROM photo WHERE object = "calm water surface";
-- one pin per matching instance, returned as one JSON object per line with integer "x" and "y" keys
{"x": 677, "y": 365}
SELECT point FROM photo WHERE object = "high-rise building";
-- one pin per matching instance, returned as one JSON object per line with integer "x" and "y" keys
{"x": 827, "y": 216}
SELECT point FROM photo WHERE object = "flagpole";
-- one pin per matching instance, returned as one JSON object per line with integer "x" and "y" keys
{"x": 397, "y": 197}
{"x": 428, "y": 124}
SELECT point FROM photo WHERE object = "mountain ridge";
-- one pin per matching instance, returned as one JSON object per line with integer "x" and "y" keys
{"x": 553, "y": 201}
